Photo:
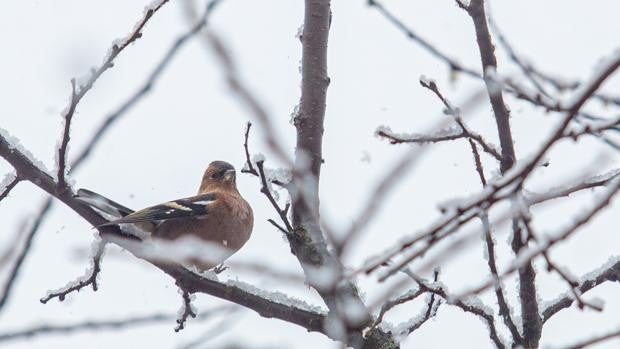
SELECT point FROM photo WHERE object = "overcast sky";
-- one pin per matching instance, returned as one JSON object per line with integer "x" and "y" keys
{"x": 158, "y": 151}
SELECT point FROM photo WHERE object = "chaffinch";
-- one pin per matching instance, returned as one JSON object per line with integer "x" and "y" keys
{"x": 217, "y": 214}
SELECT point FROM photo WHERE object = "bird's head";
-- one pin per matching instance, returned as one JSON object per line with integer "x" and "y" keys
{"x": 219, "y": 175}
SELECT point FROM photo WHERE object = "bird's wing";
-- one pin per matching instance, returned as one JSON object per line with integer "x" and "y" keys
{"x": 195, "y": 206}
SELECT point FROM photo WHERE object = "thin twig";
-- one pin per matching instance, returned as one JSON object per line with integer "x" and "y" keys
{"x": 98, "y": 325}
{"x": 7, "y": 190}
{"x": 456, "y": 113}
{"x": 89, "y": 279}
{"x": 552, "y": 266}
{"x": 467, "y": 306}
{"x": 504, "y": 309}
{"x": 79, "y": 89}
{"x": 265, "y": 190}
{"x": 594, "y": 340}
{"x": 458, "y": 217}
{"x": 610, "y": 272}
{"x": 21, "y": 257}
{"x": 526, "y": 256}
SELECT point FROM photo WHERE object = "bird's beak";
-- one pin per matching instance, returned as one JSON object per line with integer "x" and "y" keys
{"x": 230, "y": 175}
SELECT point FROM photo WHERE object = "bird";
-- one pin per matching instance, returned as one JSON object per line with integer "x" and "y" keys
{"x": 217, "y": 214}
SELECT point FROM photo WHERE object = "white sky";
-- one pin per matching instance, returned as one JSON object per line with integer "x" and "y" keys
{"x": 159, "y": 150}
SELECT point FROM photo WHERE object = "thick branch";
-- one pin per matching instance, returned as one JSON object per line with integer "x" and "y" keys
{"x": 307, "y": 240}
{"x": 532, "y": 324}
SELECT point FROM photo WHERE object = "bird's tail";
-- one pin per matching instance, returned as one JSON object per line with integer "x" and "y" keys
{"x": 102, "y": 203}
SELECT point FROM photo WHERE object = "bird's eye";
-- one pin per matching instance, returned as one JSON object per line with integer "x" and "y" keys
{"x": 215, "y": 175}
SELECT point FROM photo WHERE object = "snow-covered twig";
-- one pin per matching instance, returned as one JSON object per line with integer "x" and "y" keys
{"x": 280, "y": 177}
{"x": 592, "y": 128}
{"x": 470, "y": 305}
{"x": 527, "y": 255}
{"x": 564, "y": 191}
{"x": 282, "y": 212}
{"x": 89, "y": 278}
{"x": 489, "y": 196}
{"x": 416, "y": 322}
{"x": 80, "y": 88}
{"x": 186, "y": 310}
{"x": 456, "y": 114}
{"x": 609, "y": 271}
{"x": 562, "y": 273}
{"x": 504, "y": 308}
{"x": 413, "y": 324}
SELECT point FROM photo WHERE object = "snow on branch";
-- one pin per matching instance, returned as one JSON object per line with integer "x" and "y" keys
{"x": 609, "y": 271}
{"x": 89, "y": 278}
{"x": 566, "y": 190}
{"x": 545, "y": 244}
{"x": 448, "y": 134}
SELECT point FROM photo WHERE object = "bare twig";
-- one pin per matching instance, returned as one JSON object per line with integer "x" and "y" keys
{"x": 532, "y": 73}
{"x": 594, "y": 340}
{"x": 19, "y": 261}
{"x": 98, "y": 325}
{"x": 12, "y": 180}
{"x": 455, "y": 66}
{"x": 452, "y": 63}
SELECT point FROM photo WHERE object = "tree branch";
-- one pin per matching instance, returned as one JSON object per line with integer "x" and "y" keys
{"x": 93, "y": 325}
{"x": 79, "y": 89}
{"x": 90, "y": 278}
{"x": 504, "y": 309}
{"x": 9, "y": 182}
{"x": 608, "y": 272}
{"x": 470, "y": 306}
